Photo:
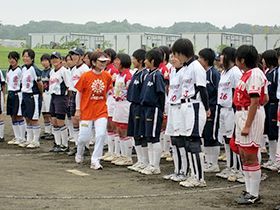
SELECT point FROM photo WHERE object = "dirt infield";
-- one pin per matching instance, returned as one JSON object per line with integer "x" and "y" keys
{"x": 37, "y": 179}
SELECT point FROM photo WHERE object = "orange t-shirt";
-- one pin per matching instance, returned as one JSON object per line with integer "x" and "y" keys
{"x": 94, "y": 88}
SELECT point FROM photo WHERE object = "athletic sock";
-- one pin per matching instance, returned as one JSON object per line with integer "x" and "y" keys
{"x": 122, "y": 147}
{"x": 191, "y": 161}
{"x": 63, "y": 134}
{"x": 157, "y": 153}
{"x": 254, "y": 179}
{"x": 215, "y": 155}
{"x": 167, "y": 142}
{"x": 2, "y": 129}
{"x": 246, "y": 177}
{"x": 16, "y": 129}
{"x": 70, "y": 127}
{"x": 47, "y": 127}
{"x": 175, "y": 159}
{"x": 22, "y": 128}
{"x": 36, "y": 133}
{"x": 198, "y": 165}
{"x": 145, "y": 155}
{"x": 161, "y": 138}
{"x": 138, "y": 150}
{"x": 76, "y": 134}
{"x": 150, "y": 153}
{"x": 272, "y": 149}
{"x": 228, "y": 155}
{"x": 110, "y": 137}
{"x": 128, "y": 147}
{"x": 57, "y": 136}
{"x": 29, "y": 133}
{"x": 117, "y": 144}
{"x": 184, "y": 160}
{"x": 208, "y": 155}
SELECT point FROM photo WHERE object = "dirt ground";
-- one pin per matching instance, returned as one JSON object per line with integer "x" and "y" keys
{"x": 37, "y": 179}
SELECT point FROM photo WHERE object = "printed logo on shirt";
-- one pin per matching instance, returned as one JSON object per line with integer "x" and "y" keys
{"x": 84, "y": 125}
{"x": 98, "y": 86}
{"x": 136, "y": 82}
{"x": 150, "y": 83}
{"x": 76, "y": 77}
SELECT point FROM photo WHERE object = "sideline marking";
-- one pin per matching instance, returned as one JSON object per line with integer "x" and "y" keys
{"x": 40, "y": 154}
{"x": 77, "y": 172}
{"x": 120, "y": 197}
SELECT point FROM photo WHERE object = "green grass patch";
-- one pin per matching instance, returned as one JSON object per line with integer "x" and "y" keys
{"x": 4, "y": 52}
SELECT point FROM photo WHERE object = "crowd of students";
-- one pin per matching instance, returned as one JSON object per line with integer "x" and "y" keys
{"x": 187, "y": 106}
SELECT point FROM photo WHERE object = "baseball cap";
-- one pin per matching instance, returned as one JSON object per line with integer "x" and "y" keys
{"x": 217, "y": 56}
{"x": 103, "y": 58}
{"x": 77, "y": 51}
{"x": 56, "y": 54}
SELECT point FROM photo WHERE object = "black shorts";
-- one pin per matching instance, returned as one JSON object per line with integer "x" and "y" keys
{"x": 13, "y": 103}
{"x": 59, "y": 105}
{"x": 271, "y": 128}
{"x": 73, "y": 104}
{"x": 133, "y": 128}
{"x": 210, "y": 132}
{"x": 31, "y": 105}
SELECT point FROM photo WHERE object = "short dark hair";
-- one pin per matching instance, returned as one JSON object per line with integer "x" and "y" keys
{"x": 88, "y": 53}
{"x": 125, "y": 60}
{"x": 250, "y": 55}
{"x": 140, "y": 56}
{"x": 166, "y": 52}
{"x": 14, "y": 55}
{"x": 30, "y": 53}
{"x": 46, "y": 56}
{"x": 183, "y": 46}
{"x": 154, "y": 54}
{"x": 229, "y": 55}
{"x": 208, "y": 55}
{"x": 270, "y": 58}
{"x": 95, "y": 55}
{"x": 112, "y": 53}
{"x": 68, "y": 55}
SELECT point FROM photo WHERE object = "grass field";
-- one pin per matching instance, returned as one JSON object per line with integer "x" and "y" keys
{"x": 4, "y": 52}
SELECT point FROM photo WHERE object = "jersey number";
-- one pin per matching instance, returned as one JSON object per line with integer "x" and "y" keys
{"x": 186, "y": 94}
{"x": 223, "y": 96}
{"x": 173, "y": 98}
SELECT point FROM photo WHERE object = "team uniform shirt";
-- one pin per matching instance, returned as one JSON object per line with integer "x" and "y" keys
{"x": 227, "y": 83}
{"x": 14, "y": 79}
{"x": 30, "y": 76}
{"x": 110, "y": 100}
{"x": 272, "y": 84}
{"x": 94, "y": 87}
{"x": 59, "y": 81}
{"x": 164, "y": 70}
{"x": 193, "y": 114}
{"x": 121, "y": 111}
{"x": 76, "y": 73}
{"x": 213, "y": 78}
{"x": 46, "y": 79}
{"x": 251, "y": 82}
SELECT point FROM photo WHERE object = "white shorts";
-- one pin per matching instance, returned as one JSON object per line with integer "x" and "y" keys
{"x": 121, "y": 111}
{"x": 255, "y": 136}
{"x": 173, "y": 120}
{"x": 110, "y": 105}
{"x": 226, "y": 122}
{"x": 193, "y": 119}
{"x": 46, "y": 102}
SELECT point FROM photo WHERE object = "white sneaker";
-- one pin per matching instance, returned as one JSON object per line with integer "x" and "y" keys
{"x": 224, "y": 173}
{"x": 235, "y": 175}
{"x": 96, "y": 166}
{"x": 13, "y": 141}
{"x": 24, "y": 144}
{"x": 268, "y": 163}
{"x": 211, "y": 168}
{"x": 165, "y": 154}
{"x": 20, "y": 141}
{"x": 179, "y": 178}
{"x": 151, "y": 170}
{"x": 107, "y": 154}
{"x": 169, "y": 159}
{"x": 134, "y": 166}
{"x": 33, "y": 145}
{"x": 124, "y": 162}
{"x": 193, "y": 182}
{"x": 119, "y": 160}
{"x": 274, "y": 167}
{"x": 169, "y": 176}
{"x": 110, "y": 158}
{"x": 79, "y": 159}
{"x": 140, "y": 167}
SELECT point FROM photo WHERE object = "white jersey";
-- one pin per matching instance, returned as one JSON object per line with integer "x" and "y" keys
{"x": 169, "y": 66}
{"x": 193, "y": 75}
{"x": 175, "y": 83}
{"x": 2, "y": 79}
{"x": 30, "y": 77}
{"x": 14, "y": 79}
{"x": 228, "y": 82}
{"x": 76, "y": 73}
{"x": 59, "y": 81}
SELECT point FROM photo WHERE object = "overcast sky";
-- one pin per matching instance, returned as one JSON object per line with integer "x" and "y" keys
{"x": 146, "y": 12}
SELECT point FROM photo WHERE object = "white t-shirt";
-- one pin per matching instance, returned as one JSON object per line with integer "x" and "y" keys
{"x": 59, "y": 81}
{"x": 228, "y": 81}
{"x": 175, "y": 86}
{"x": 76, "y": 73}
{"x": 14, "y": 79}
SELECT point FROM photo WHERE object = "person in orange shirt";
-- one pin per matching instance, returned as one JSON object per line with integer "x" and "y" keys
{"x": 93, "y": 87}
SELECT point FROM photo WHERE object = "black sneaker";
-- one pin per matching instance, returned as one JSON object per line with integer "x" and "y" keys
{"x": 57, "y": 149}
{"x": 86, "y": 152}
{"x": 62, "y": 148}
{"x": 2, "y": 139}
{"x": 49, "y": 137}
{"x": 54, "y": 147}
{"x": 73, "y": 152}
{"x": 247, "y": 198}
{"x": 43, "y": 136}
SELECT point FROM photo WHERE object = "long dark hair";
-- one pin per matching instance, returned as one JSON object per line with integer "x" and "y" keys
{"x": 14, "y": 55}
{"x": 229, "y": 55}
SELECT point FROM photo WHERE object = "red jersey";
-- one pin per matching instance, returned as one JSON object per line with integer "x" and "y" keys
{"x": 164, "y": 70}
{"x": 121, "y": 85}
{"x": 251, "y": 82}
{"x": 94, "y": 88}
{"x": 113, "y": 71}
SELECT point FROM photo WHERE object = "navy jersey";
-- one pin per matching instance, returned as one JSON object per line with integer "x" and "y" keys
{"x": 153, "y": 85}
{"x": 46, "y": 79}
{"x": 213, "y": 78}
{"x": 272, "y": 80}
{"x": 30, "y": 76}
{"x": 134, "y": 88}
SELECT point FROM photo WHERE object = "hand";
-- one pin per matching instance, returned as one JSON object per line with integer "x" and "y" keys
{"x": 245, "y": 131}
{"x": 208, "y": 113}
{"x": 78, "y": 114}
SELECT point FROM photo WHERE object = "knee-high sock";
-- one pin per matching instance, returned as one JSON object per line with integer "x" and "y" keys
{"x": 138, "y": 150}
{"x": 161, "y": 138}
{"x": 2, "y": 129}
{"x": 150, "y": 153}
{"x": 208, "y": 155}
{"x": 246, "y": 177}
{"x": 122, "y": 146}
{"x": 111, "y": 143}
{"x": 128, "y": 147}
{"x": 145, "y": 155}
{"x": 198, "y": 165}
{"x": 117, "y": 144}
{"x": 184, "y": 160}
{"x": 36, "y": 133}
{"x": 64, "y": 135}
{"x": 16, "y": 129}
{"x": 191, "y": 161}
{"x": 272, "y": 149}
{"x": 70, "y": 127}
{"x": 215, "y": 154}
{"x": 157, "y": 153}
{"x": 228, "y": 155}
{"x": 29, "y": 130}
{"x": 57, "y": 136}
{"x": 175, "y": 159}
{"x": 47, "y": 127}
{"x": 22, "y": 129}
{"x": 254, "y": 179}
{"x": 167, "y": 142}
{"x": 76, "y": 134}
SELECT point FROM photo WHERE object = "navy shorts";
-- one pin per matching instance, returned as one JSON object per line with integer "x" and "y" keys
{"x": 210, "y": 132}
{"x": 13, "y": 103}
{"x": 178, "y": 141}
{"x": 271, "y": 128}
{"x": 73, "y": 104}
{"x": 31, "y": 105}
{"x": 134, "y": 120}
{"x": 59, "y": 105}
{"x": 151, "y": 121}
{"x": 193, "y": 145}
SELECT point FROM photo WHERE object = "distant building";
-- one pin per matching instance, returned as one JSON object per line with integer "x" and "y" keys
{"x": 12, "y": 43}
